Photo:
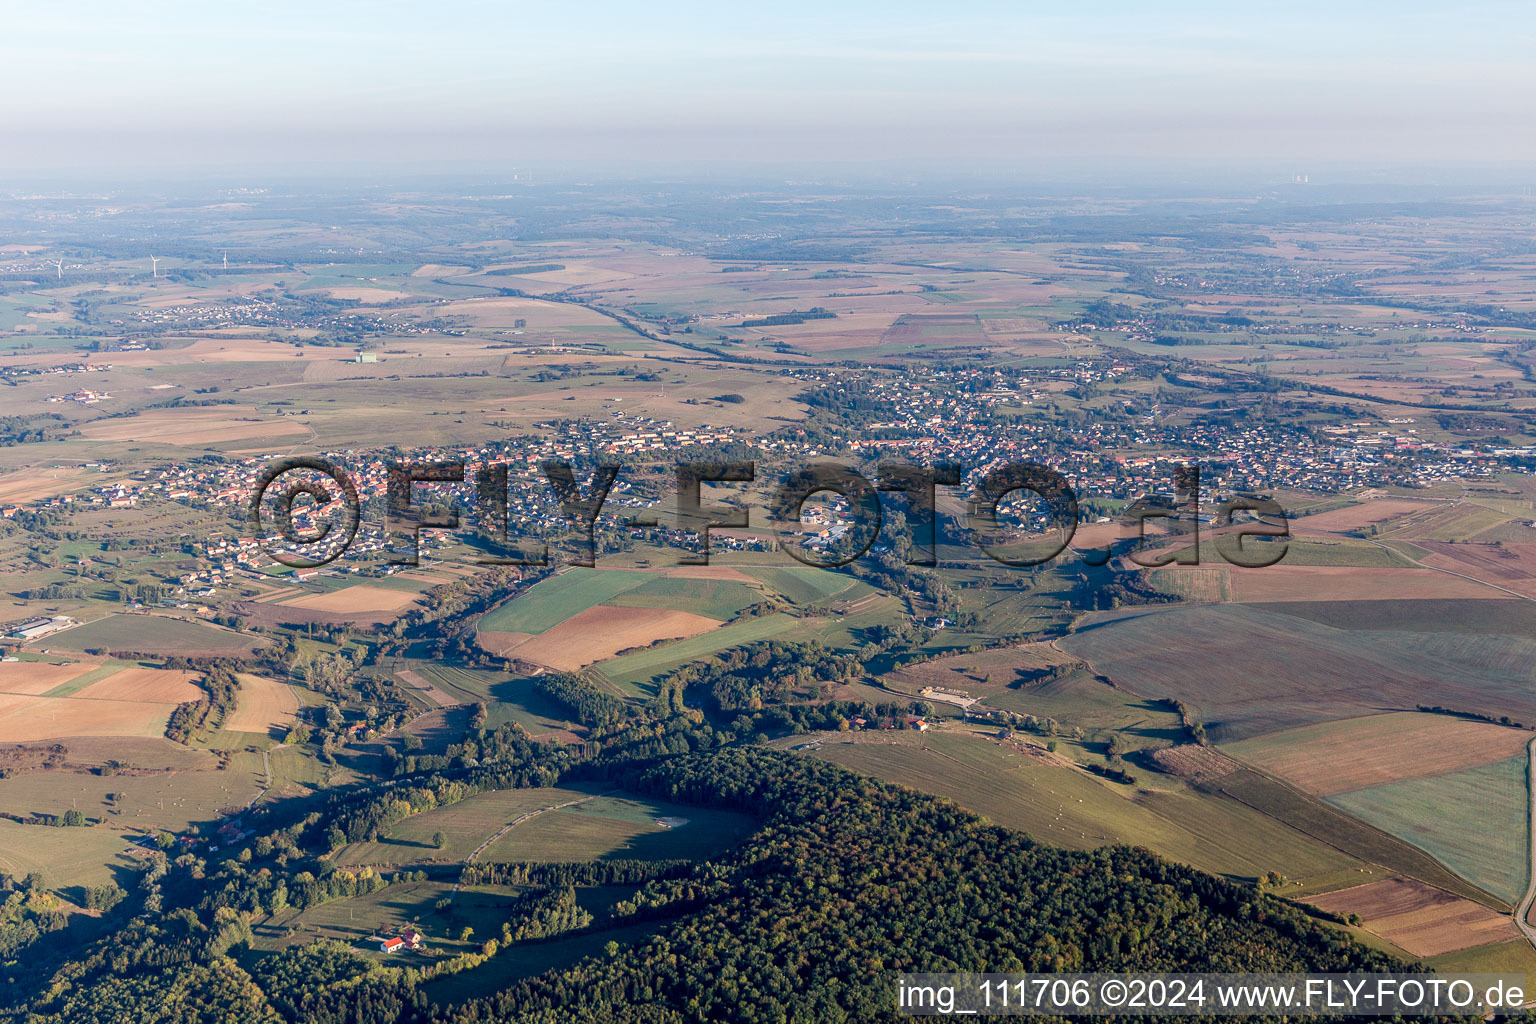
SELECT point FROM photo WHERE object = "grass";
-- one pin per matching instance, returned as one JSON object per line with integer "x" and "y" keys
{"x": 465, "y": 825}
{"x": 718, "y": 599}
{"x": 1066, "y": 807}
{"x": 802, "y": 585}
{"x": 1349, "y": 834}
{"x": 1475, "y": 822}
{"x": 1513, "y": 957}
{"x": 163, "y": 800}
{"x": 632, "y": 672}
{"x": 608, "y": 828}
{"x": 155, "y": 634}
{"x": 66, "y": 856}
{"x": 552, "y": 601}
{"x": 391, "y": 909}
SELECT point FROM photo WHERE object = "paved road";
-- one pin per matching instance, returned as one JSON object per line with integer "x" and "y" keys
{"x": 1530, "y": 893}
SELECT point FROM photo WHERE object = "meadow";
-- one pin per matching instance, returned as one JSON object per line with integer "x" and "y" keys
{"x": 1476, "y": 821}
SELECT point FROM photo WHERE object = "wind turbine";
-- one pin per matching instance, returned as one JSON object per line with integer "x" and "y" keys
{"x": 154, "y": 267}
{"x": 226, "y": 261}
{"x": 59, "y": 266}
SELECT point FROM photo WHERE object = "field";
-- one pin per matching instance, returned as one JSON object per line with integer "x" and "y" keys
{"x": 600, "y": 632}
{"x": 362, "y": 602}
{"x": 153, "y": 634}
{"x": 1199, "y": 654}
{"x": 552, "y": 601}
{"x": 85, "y": 700}
{"x": 611, "y": 827}
{"x": 165, "y": 799}
{"x": 1064, "y": 806}
{"x": 1287, "y": 582}
{"x": 634, "y": 671}
{"x": 65, "y": 856}
{"x": 1474, "y": 821}
{"x": 1366, "y": 513}
{"x": 1498, "y": 617}
{"x": 565, "y": 824}
{"x": 38, "y": 677}
{"x": 1419, "y": 918}
{"x": 465, "y": 825}
{"x": 1357, "y": 753}
{"x": 264, "y": 706}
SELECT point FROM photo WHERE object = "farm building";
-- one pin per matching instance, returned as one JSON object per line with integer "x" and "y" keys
{"x": 35, "y": 628}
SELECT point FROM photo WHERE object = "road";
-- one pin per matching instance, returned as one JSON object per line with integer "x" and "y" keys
{"x": 1530, "y": 891}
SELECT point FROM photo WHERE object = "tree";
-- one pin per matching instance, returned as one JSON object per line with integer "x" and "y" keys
{"x": 438, "y": 839}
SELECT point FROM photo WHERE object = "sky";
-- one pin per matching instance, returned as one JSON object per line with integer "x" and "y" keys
{"x": 97, "y": 85}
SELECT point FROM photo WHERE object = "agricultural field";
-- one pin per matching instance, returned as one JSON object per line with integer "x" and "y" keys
{"x": 264, "y": 706}
{"x": 1476, "y": 822}
{"x": 609, "y": 827}
{"x": 66, "y": 857}
{"x": 82, "y": 699}
{"x": 152, "y": 634}
{"x": 603, "y": 631}
{"x": 465, "y": 826}
{"x": 1418, "y": 918}
{"x": 1373, "y": 750}
{"x": 634, "y": 672}
{"x": 1194, "y": 654}
{"x": 1064, "y": 806}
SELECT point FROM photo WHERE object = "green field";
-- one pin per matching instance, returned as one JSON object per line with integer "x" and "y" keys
{"x": 154, "y": 634}
{"x": 718, "y": 599}
{"x": 1474, "y": 822}
{"x": 1066, "y": 807}
{"x": 67, "y": 857}
{"x": 465, "y": 825}
{"x": 550, "y": 602}
{"x": 611, "y": 827}
{"x": 804, "y": 585}
{"x": 633, "y": 671}
{"x": 170, "y": 800}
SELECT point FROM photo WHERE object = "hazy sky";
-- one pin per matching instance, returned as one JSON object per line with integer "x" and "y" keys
{"x": 97, "y": 84}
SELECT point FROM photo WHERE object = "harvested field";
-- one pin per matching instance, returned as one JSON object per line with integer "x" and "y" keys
{"x": 152, "y": 685}
{"x": 1244, "y": 673}
{"x": 376, "y": 604}
{"x": 264, "y": 705}
{"x": 602, "y": 632}
{"x": 500, "y": 643}
{"x": 1497, "y": 617}
{"x": 1194, "y": 762}
{"x": 1497, "y": 563}
{"x": 1349, "y": 583}
{"x": 194, "y": 427}
{"x": 36, "y": 677}
{"x": 1366, "y": 513}
{"x": 24, "y": 718}
{"x": 1356, "y": 753}
{"x": 1421, "y": 919}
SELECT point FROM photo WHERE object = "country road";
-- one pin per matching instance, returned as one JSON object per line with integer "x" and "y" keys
{"x": 1530, "y": 890}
